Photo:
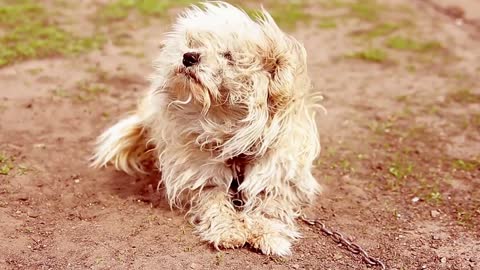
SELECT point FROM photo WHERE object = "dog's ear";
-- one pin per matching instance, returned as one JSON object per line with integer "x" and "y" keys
{"x": 284, "y": 61}
{"x": 276, "y": 64}
{"x": 273, "y": 61}
{"x": 285, "y": 64}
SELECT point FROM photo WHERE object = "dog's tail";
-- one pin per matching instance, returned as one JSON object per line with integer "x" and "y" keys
{"x": 125, "y": 145}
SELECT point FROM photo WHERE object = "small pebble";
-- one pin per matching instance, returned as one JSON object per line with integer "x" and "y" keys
{"x": 32, "y": 214}
{"x": 195, "y": 266}
{"x": 22, "y": 197}
{"x": 39, "y": 145}
{"x": 415, "y": 199}
{"x": 441, "y": 99}
{"x": 443, "y": 260}
{"x": 434, "y": 213}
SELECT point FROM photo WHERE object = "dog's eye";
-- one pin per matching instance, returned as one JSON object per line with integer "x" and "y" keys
{"x": 228, "y": 56}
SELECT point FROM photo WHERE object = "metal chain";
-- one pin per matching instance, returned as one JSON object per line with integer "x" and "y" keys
{"x": 338, "y": 238}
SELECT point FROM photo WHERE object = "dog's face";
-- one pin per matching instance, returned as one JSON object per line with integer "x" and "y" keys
{"x": 218, "y": 56}
{"x": 235, "y": 82}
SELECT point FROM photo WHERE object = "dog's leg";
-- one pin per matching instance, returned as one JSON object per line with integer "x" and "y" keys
{"x": 271, "y": 228}
{"x": 274, "y": 196}
{"x": 216, "y": 220}
{"x": 124, "y": 144}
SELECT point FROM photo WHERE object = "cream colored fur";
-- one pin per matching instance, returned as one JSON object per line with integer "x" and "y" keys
{"x": 248, "y": 95}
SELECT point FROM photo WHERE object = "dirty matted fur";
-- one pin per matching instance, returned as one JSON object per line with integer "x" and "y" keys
{"x": 245, "y": 95}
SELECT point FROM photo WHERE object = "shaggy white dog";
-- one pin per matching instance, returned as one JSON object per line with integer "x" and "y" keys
{"x": 229, "y": 120}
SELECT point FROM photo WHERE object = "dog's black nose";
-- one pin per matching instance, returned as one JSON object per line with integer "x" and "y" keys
{"x": 191, "y": 58}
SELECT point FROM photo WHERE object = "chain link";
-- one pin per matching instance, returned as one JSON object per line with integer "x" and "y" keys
{"x": 340, "y": 239}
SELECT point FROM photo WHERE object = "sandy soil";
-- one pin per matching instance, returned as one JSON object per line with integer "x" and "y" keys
{"x": 401, "y": 147}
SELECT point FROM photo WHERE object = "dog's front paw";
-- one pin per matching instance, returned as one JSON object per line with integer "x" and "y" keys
{"x": 272, "y": 237}
{"x": 272, "y": 244}
{"x": 231, "y": 238}
{"x": 223, "y": 232}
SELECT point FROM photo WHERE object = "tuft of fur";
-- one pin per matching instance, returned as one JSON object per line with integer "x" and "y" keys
{"x": 249, "y": 95}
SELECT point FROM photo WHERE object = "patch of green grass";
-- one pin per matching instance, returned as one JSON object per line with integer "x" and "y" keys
{"x": 98, "y": 260}
{"x": 115, "y": 11}
{"x": 413, "y": 133}
{"x": 431, "y": 109}
{"x": 408, "y": 44}
{"x": 434, "y": 197}
{"x": 60, "y": 92}
{"x": 90, "y": 90}
{"x": 459, "y": 76}
{"x": 122, "y": 39}
{"x": 405, "y": 113}
{"x": 35, "y": 71}
{"x": 380, "y": 128}
{"x": 403, "y": 98}
{"x": 362, "y": 156}
{"x": 28, "y": 35}
{"x": 366, "y": 9}
{"x": 466, "y": 218}
{"x": 22, "y": 169}
{"x": 5, "y": 169}
{"x": 28, "y": 230}
{"x": 93, "y": 89}
{"x": 411, "y": 68}
{"x": 346, "y": 166}
{"x": 18, "y": 12}
{"x": 151, "y": 219}
{"x": 379, "y": 30}
{"x": 400, "y": 170}
{"x": 6, "y": 164}
{"x": 183, "y": 229}
{"x": 290, "y": 14}
{"x": 327, "y": 23}
{"x": 100, "y": 74}
{"x": 371, "y": 55}
{"x": 466, "y": 165}
{"x": 134, "y": 54}
{"x": 464, "y": 96}
{"x": 3, "y": 157}
{"x": 332, "y": 3}
{"x": 278, "y": 260}
{"x": 120, "y": 9}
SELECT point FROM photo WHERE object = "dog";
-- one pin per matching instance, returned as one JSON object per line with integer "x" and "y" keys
{"x": 229, "y": 120}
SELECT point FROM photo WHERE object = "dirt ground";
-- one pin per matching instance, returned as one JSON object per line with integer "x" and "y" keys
{"x": 400, "y": 145}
